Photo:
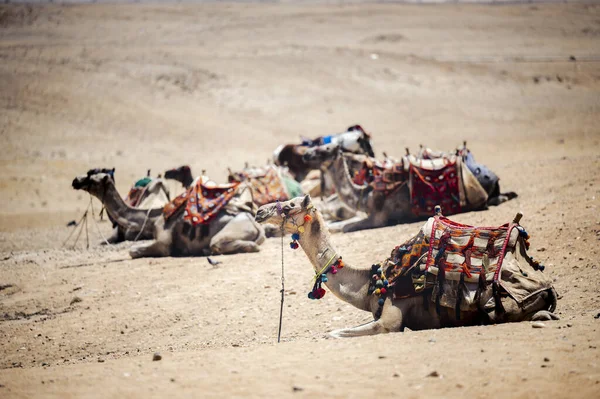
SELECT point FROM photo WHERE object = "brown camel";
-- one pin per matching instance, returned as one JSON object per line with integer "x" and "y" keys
{"x": 353, "y": 285}
{"x": 233, "y": 230}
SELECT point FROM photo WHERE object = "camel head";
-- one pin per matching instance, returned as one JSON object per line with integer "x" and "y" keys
{"x": 364, "y": 141}
{"x": 95, "y": 181}
{"x": 315, "y": 157}
{"x": 178, "y": 173}
{"x": 292, "y": 212}
{"x": 182, "y": 174}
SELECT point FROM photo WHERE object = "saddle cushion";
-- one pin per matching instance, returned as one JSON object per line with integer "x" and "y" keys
{"x": 435, "y": 184}
{"x": 202, "y": 202}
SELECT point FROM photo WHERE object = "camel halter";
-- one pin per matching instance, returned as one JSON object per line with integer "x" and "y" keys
{"x": 294, "y": 245}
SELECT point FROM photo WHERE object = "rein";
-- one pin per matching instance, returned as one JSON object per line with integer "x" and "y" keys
{"x": 279, "y": 210}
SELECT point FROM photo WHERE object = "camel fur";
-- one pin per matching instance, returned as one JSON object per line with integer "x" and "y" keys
{"x": 351, "y": 284}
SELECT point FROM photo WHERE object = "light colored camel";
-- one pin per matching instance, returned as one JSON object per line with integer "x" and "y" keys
{"x": 351, "y": 284}
{"x": 233, "y": 230}
{"x": 381, "y": 210}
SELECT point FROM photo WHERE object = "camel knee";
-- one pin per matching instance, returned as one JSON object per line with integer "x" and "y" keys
{"x": 544, "y": 315}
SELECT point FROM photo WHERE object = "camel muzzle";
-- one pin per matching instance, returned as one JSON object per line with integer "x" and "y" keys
{"x": 80, "y": 183}
{"x": 263, "y": 214}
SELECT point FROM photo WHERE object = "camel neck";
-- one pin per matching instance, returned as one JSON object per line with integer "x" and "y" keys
{"x": 124, "y": 215}
{"x": 349, "y": 284}
{"x": 351, "y": 194}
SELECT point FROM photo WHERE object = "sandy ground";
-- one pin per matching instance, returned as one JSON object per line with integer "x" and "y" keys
{"x": 156, "y": 86}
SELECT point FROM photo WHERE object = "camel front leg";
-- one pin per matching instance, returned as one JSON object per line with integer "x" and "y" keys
{"x": 241, "y": 234}
{"x": 153, "y": 249}
{"x": 114, "y": 238}
{"x": 339, "y": 227}
{"x": 391, "y": 320}
{"x": 372, "y": 328}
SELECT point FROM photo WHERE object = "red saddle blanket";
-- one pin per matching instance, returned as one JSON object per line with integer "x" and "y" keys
{"x": 431, "y": 187}
{"x": 202, "y": 203}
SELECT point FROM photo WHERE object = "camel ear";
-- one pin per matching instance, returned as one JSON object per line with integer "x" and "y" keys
{"x": 306, "y": 201}
{"x": 105, "y": 179}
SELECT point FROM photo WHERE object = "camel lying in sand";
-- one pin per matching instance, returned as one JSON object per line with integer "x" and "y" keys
{"x": 355, "y": 140}
{"x": 232, "y": 230}
{"x": 154, "y": 194}
{"x": 386, "y": 208}
{"x": 416, "y": 312}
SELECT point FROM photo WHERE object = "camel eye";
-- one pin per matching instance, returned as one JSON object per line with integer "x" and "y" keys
{"x": 292, "y": 205}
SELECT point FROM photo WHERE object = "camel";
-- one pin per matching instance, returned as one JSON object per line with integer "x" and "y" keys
{"x": 154, "y": 194}
{"x": 182, "y": 174}
{"x": 392, "y": 314}
{"x": 232, "y": 230}
{"x": 387, "y": 208}
{"x": 354, "y": 140}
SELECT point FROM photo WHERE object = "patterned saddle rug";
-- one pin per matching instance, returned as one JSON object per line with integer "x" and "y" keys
{"x": 463, "y": 267}
{"x": 267, "y": 185}
{"x": 202, "y": 201}
{"x": 434, "y": 182}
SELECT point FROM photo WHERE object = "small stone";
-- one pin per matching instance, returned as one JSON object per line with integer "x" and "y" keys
{"x": 538, "y": 324}
{"x": 433, "y": 374}
{"x": 396, "y": 375}
{"x": 297, "y": 389}
{"x": 100, "y": 360}
{"x": 569, "y": 324}
{"x": 381, "y": 357}
{"x": 546, "y": 359}
{"x": 156, "y": 357}
{"x": 459, "y": 386}
{"x": 172, "y": 380}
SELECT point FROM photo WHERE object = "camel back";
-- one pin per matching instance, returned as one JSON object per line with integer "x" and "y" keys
{"x": 202, "y": 202}
{"x": 464, "y": 267}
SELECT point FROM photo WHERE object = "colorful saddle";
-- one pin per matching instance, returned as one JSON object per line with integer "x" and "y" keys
{"x": 464, "y": 267}
{"x": 267, "y": 184}
{"x": 202, "y": 201}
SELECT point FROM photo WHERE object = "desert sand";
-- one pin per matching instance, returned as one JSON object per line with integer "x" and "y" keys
{"x": 138, "y": 86}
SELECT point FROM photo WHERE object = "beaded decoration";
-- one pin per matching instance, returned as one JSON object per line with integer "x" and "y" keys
{"x": 318, "y": 291}
{"x": 296, "y": 236}
{"x": 379, "y": 287}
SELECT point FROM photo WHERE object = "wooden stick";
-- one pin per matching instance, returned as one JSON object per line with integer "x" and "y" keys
{"x": 517, "y": 218}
